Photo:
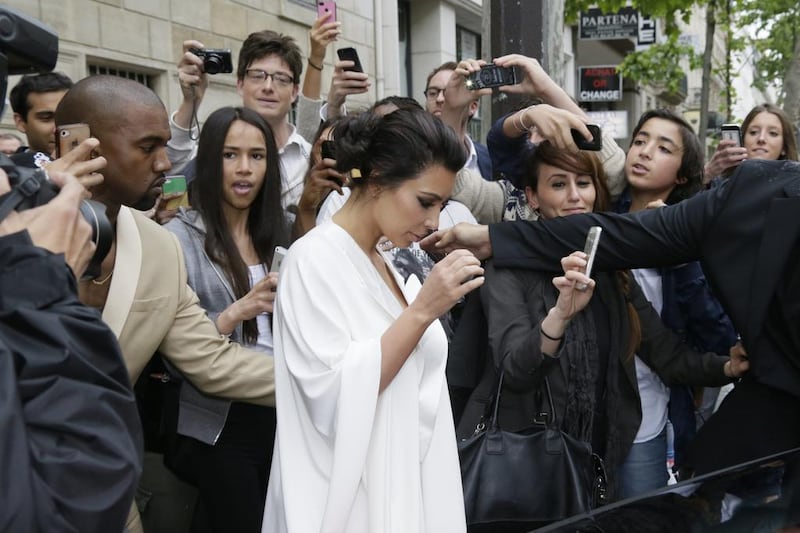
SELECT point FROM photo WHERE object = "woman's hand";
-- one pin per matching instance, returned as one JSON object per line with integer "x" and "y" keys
{"x": 322, "y": 179}
{"x": 451, "y": 279}
{"x": 727, "y": 155}
{"x": 259, "y": 300}
{"x": 571, "y": 299}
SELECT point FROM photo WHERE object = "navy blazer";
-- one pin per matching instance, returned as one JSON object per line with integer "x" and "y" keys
{"x": 484, "y": 160}
{"x": 745, "y": 233}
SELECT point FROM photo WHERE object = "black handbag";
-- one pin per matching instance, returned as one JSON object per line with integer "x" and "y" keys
{"x": 526, "y": 478}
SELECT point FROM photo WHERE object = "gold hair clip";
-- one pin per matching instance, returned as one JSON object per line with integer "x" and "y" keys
{"x": 355, "y": 173}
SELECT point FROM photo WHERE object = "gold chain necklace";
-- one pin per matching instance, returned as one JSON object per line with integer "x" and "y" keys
{"x": 103, "y": 281}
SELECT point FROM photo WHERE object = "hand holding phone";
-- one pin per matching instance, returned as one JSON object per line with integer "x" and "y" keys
{"x": 350, "y": 54}
{"x": 590, "y": 249}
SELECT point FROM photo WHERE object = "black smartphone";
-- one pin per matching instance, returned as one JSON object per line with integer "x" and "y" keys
{"x": 492, "y": 76}
{"x": 732, "y": 132}
{"x": 350, "y": 54}
{"x": 327, "y": 150}
{"x": 595, "y": 145}
{"x": 590, "y": 249}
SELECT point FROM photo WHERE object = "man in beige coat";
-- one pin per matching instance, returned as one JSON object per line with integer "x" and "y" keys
{"x": 141, "y": 289}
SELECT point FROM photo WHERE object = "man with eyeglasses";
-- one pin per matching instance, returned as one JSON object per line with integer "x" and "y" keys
{"x": 268, "y": 80}
{"x": 479, "y": 159}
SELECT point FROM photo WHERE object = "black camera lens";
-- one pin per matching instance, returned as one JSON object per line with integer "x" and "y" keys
{"x": 213, "y": 64}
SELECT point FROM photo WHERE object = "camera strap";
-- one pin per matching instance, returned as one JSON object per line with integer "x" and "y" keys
{"x": 29, "y": 187}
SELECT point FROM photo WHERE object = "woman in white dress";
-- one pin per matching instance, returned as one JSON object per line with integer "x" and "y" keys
{"x": 365, "y": 439}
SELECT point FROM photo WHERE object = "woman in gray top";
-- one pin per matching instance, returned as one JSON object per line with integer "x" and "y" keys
{"x": 228, "y": 237}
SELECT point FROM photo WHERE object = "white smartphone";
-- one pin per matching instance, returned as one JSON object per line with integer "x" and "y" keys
{"x": 277, "y": 258}
{"x": 590, "y": 249}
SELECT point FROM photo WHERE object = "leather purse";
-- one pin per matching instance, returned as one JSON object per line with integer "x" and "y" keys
{"x": 526, "y": 478}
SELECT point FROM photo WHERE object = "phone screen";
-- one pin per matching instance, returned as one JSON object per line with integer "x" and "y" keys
{"x": 732, "y": 132}
{"x": 590, "y": 249}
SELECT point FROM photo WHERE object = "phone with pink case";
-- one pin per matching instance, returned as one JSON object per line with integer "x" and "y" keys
{"x": 327, "y": 8}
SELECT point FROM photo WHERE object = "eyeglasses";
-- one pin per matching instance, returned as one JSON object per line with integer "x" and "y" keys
{"x": 260, "y": 76}
{"x": 432, "y": 93}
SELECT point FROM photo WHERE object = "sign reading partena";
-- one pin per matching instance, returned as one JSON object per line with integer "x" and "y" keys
{"x": 624, "y": 24}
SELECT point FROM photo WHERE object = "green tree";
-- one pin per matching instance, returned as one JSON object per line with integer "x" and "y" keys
{"x": 775, "y": 36}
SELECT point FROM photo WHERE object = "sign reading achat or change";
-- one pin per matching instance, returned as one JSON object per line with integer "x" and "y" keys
{"x": 627, "y": 23}
{"x": 599, "y": 84}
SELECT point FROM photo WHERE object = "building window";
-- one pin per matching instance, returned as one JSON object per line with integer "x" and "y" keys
{"x": 307, "y": 3}
{"x": 468, "y": 44}
{"x": 145, "y": 79}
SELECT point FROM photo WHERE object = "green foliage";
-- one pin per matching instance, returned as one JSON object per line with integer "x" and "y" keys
{"x": 774, "y": 30}
{"x": 661, "y": 64}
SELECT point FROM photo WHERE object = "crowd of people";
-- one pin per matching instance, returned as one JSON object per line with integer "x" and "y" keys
{"x": 329, "y": 394}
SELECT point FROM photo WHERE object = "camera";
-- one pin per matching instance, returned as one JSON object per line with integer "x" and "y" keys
{"x": 215, "y": 60}
{"x": 492, "y": 76}
{"x": 31, "y": 188}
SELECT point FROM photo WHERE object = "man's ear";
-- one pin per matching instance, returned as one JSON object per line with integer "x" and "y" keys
{"x": 473, "y": 108}
{"x": 20, "y": 123}
{"x": 240, "y": 87}
{"x": 295, "y": 92}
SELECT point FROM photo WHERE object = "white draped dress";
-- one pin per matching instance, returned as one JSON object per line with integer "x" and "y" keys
{"x": 348, "y": 459}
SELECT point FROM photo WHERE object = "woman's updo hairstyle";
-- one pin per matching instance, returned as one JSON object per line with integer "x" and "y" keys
{"x": 388, "y": 150}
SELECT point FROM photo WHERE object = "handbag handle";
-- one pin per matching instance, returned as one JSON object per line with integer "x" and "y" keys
{"x": 495, "y": 422}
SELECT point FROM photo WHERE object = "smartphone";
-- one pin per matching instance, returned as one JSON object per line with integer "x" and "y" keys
{"x": 595, "y": 145}
{"x": 175, "y": 184}
{"x": 732, "y": 132}
{"x": 69, "y": 136}
{"x": 492, "y": 76}
{"x": 350, "y": 54}
{"x": 327, "y": 9}
{"x": 277, "y": 258}
{"x": 327, "y": 150}
{"x": 590, "y": 249}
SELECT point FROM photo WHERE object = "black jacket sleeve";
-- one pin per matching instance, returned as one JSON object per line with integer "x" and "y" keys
{"x": 649, "y": 238}
{"x": 70, "y": 437}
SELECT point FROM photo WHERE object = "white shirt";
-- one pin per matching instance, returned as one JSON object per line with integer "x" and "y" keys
{"x": 472, "y": 159}
{"x": 652, "y": 391}
{"x": 264, "y": 341}
{"x": 348, "y": 458}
